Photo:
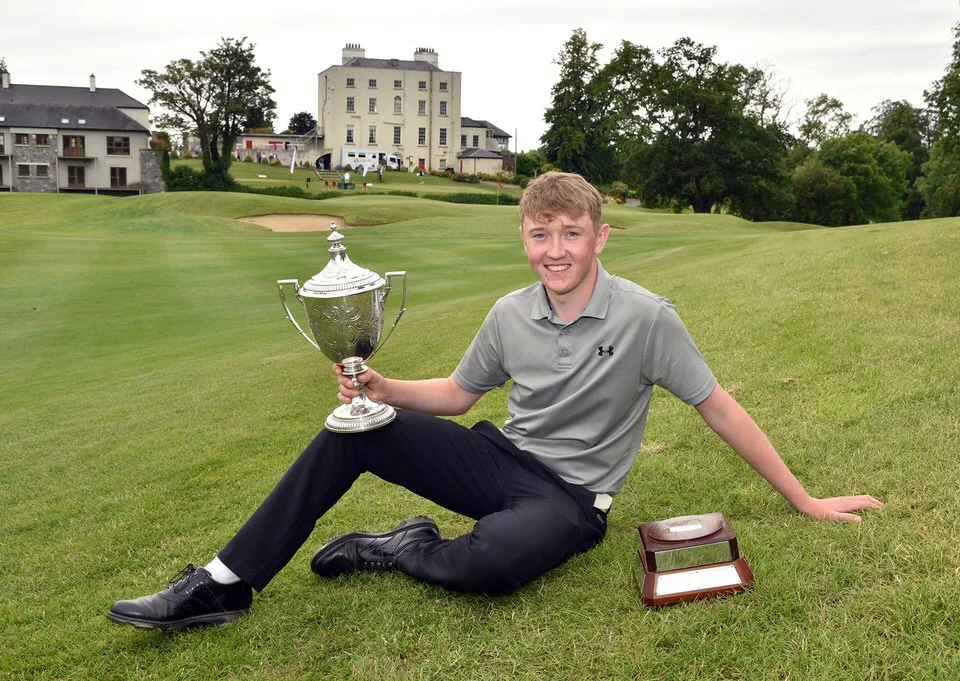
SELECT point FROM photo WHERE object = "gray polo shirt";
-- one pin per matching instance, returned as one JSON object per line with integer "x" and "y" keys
{"x": 581, "y": 391}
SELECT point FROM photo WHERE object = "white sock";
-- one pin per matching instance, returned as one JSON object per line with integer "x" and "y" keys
{"x": 220, "y": 572}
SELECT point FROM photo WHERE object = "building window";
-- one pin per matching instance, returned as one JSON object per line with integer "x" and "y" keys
{"x": 443, "y": 108}
{"x": 443, "y": 164}
{"x": 422, "y": 107}
{"x": 43, "y": 171}
{"x": 349, "y": 134}
{"x": 76, "y": 177}
{"x": 118, "y": 178}
{"x": 373, "y": 105}
{"x": 397, "y": 105}
{"x": 351, "y": 82}
{"x": 42, "y": 140}
{"x": 463, "y": 141}
{"x": 476, "y": 140}
{"x": 73, "y": 145}
{"x": 443, "y": 86}
{"x": 422, "y": 85}
{"x": 397, "y": 84}
{"x": 351, "y": 106}
{"x": 396, "y": 135}
{"x": 372, "y": 82}
{"x": 23, "y": 170}
{"x": 1, "y": 144}
{"x": 118, "y": 146}
{"x": 372, "y": 138}
{"x": 443, "y": 137}
{"x": 21, "y": 138}
{"x": 421, "y": 136}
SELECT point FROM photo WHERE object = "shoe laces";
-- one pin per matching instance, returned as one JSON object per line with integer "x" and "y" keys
{"x": 183, "y": 577}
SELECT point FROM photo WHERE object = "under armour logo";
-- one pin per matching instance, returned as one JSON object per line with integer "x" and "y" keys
{"x": 609, "y": 351}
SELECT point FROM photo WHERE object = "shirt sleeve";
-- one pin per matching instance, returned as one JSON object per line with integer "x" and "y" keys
{"x": 481, "y": 368}
{"x": 672, "y": 361}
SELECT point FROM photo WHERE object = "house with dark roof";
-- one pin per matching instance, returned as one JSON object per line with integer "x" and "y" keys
{"x": 75, "y": 139}
{"x": 480, "y": 145}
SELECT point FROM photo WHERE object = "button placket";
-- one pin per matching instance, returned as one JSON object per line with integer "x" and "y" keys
{"x": 564, "y": 348}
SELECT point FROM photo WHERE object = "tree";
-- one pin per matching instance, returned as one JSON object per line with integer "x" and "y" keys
{"x": 711, "y": 143}
{"x": 530, "y": 163}
{"x": 824, "y": 119}
{"x": 821, "y": 195}
{"x": 877, "y": 171}
{"x": 940, "y": 183}
{"x": 259, "y": 119}
{"x": 212, "y": 98}
{"x": 578, "y": 136}
{"x": 301, "y": 123}
{"x": 909, "y": 128}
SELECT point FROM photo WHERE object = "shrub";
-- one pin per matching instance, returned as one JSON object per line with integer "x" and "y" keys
{"x": 248, "y": 159}
{"x": 183, "y": 179}
{"x": 464, "y": 177}
{"x": 475, "y": 198}
{"x": 618, "y": 192}
{"x": 401, "y": 192}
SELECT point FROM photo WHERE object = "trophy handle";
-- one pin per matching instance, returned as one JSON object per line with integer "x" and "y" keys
{"x": 296, "y": 290}
{"x": 403, "y": 304}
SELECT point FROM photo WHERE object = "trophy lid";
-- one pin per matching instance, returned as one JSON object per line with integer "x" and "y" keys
{"x": 340, "y": 277}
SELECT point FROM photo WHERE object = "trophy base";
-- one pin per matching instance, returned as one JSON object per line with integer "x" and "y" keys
{"x": 372, "y": 415}
{"x": 676, "y": 586}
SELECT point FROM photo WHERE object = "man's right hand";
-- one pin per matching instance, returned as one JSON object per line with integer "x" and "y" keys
{"x": 373, "y": 384}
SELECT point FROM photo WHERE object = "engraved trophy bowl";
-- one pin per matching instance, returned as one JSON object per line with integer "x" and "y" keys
{"x": 344, "y": 306}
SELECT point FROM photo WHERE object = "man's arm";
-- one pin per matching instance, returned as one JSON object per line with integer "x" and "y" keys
{"x": 437, "y": 396}
{"x": 729, "y": 420}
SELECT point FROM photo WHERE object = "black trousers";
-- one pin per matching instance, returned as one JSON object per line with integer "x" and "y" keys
{"x": 529, "y": 520}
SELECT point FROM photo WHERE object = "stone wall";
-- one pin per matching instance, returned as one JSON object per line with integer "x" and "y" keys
{"x": 34, "y": 155}
{"x": 151, "y": 176}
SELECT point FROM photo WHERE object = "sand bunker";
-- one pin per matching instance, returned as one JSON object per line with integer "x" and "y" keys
{"x": 297, "y": 223}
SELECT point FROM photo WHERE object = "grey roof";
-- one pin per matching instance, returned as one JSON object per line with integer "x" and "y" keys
{"x": 401, "y": 64}
{"x": 53, "y": 115}
{"x": 74, "y": 96}
{"x": 478, "y": 153}
{"x": 476, "y": 123}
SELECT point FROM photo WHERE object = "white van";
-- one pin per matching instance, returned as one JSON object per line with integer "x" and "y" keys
{"x": 369, "y": 159}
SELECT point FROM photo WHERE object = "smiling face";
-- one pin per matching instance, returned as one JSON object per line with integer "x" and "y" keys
{"x": 562, "y": 251}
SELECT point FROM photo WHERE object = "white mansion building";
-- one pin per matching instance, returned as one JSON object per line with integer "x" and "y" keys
{"x": 407, "y": 112}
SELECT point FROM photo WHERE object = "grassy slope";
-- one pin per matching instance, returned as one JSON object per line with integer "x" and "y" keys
{"x": 152, "y": 392}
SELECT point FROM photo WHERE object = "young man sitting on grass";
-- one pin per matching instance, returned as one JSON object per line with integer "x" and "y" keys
{"x": 584, "y": 350}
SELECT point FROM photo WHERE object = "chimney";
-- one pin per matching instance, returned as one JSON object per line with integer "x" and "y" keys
{"x": 353, "y": 51}
{"x": 428, "y": 55}
{"x": 5, "y": 78}
{"x": 93, "y": 83}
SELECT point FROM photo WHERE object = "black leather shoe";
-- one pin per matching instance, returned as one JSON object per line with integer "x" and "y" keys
{"x": 363, "y": 551}
{"x": 192, "y": 598}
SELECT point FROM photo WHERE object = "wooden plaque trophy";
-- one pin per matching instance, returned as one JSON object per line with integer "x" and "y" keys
{"x": 689, "y": 557}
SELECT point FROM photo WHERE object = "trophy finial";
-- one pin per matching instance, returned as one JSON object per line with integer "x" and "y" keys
{"x": 337, "y": 249}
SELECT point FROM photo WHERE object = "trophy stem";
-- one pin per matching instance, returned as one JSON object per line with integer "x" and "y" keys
{"x": 362, "y": 414}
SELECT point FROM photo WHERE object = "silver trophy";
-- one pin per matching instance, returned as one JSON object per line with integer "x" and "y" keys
{"x": 344, "y": 305}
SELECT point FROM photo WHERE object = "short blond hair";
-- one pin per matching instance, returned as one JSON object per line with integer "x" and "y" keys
{"x": 566, "y": 193}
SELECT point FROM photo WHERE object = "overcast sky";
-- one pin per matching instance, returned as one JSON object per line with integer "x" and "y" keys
{"x": 859, "y": 51}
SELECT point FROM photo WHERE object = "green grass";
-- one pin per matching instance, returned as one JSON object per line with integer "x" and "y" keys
{"x": 279, "y": 175}
{"x": 152, "y": 392}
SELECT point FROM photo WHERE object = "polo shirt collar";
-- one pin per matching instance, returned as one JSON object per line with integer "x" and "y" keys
{"x": 596, "y": 307}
